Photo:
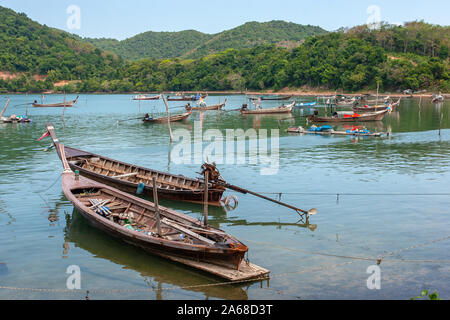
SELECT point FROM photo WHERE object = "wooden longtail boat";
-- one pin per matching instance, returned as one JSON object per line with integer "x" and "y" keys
{"x": 127, "y": 177}
{"x": 174, "y": 118}
{"x": 12, "y": 118}
{"x": 185, "y": 98}
{"x": 205, "y": 108}
{"x": 374, "y": 116}
{"x": 278, "y": 98}
{"x": 376, "y": 107}
{"x": 342, "y": 133}
{"x": 145, "y": 97}
{"x": 66, "y": 104}
{"x": 280, "y": 109}
{"x": 156, "y": 229}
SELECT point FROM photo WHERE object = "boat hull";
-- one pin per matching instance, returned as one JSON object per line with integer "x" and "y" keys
{"x": 227, "y": 256}
{"x": 194, "y": 195}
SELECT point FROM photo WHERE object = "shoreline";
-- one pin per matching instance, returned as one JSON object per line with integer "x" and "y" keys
{"x": 251, "y": 93}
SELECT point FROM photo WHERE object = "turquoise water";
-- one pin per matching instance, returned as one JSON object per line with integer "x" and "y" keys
{"x": 373, "y": 196}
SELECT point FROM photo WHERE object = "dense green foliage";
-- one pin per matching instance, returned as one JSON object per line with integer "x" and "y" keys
{"x": 30, "y": 48}
{"x": 153, "y": 44}
{"x": 193, "y": 44}
{"x": 414, "y": 56}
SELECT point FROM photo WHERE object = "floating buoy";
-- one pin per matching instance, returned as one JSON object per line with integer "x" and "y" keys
{"x": 230, "y": 200}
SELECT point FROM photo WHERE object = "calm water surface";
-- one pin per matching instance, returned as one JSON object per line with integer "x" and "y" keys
{"x": 393, "y": 195}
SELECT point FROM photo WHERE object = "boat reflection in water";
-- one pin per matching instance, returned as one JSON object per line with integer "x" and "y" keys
{"x": 152, "y": 268}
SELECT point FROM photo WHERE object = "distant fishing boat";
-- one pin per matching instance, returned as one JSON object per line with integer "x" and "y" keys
{"x": 437, "y": 98}
{"x": 279, "y": 109}
{"x": 366, "y": 108}
{"x": 145, "y": 97}
{"x": 12, "y": 118}
{"x": 307, "y": 104}
{"x": 355, "y": 117}
{"x": 327, "y": 130}
{"x": 66, "y": 104}
{"x": 186, "y": 98}
{"x": 204, "y": 107}
{"x": 174, "y": 118}
{"x": 272, "y": 98}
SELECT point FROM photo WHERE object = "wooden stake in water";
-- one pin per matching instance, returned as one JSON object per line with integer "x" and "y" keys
{"x": 205, "y": 206}
{"x": 155, "y": 200}
{"x": 168, "y": 118}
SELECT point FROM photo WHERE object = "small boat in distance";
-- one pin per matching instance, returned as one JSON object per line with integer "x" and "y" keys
{"x": 146, "y": 97}
{"x": 437, "y": 98}
{"x": 174, "y": 118}
{"x": 12, "y": 118}
{"x": 205, "y": 107}
{"x": 187, "y": 98}
{"x": 273, "y": 98}
{"x": 375, "y": 108}
{"x": 279, "y": 109}
{"x": 66, "y": 104}
{"x": 306, "y": 104}
{"x": 327, "y": 130}
{"x": 355, "y": 117}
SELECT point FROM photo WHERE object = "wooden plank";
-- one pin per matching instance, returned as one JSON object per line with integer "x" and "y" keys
{"x": 247, "y": 271}
{"x": 188, "y": 232}
{"x": 125, "y": 175}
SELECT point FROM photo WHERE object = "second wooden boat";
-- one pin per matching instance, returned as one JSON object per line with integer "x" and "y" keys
{"x": 280, "y": 109}
{"x": 174, "y": 118}
{"x": 66, "y": 104}
{"x": 127, "y": 177}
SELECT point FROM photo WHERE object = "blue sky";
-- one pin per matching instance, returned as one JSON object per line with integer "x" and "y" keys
{"x": 121, "y": 19}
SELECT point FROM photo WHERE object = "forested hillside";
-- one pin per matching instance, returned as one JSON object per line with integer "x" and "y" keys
{"x": 193, "y": 44}
{"x": 28, "y": 48}
{"x": 34, "y": 57}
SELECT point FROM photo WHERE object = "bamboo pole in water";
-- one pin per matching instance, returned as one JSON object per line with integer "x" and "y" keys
{"x": 155, "y": 200}
{"x": 205, "y": 205}
{"x": 168, "y": 118}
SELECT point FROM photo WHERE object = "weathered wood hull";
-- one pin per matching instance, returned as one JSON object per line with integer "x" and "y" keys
{"x": 228, "y": 253}
{"x": 174, "y": 118}
{"x": 172, "y": 187}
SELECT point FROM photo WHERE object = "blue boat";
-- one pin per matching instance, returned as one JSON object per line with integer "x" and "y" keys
{"x": 309, "y": 104}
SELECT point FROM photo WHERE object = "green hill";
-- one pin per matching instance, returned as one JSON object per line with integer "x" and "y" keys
{"x": 193, "y": 44}
{"x": 29, "y": 48}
